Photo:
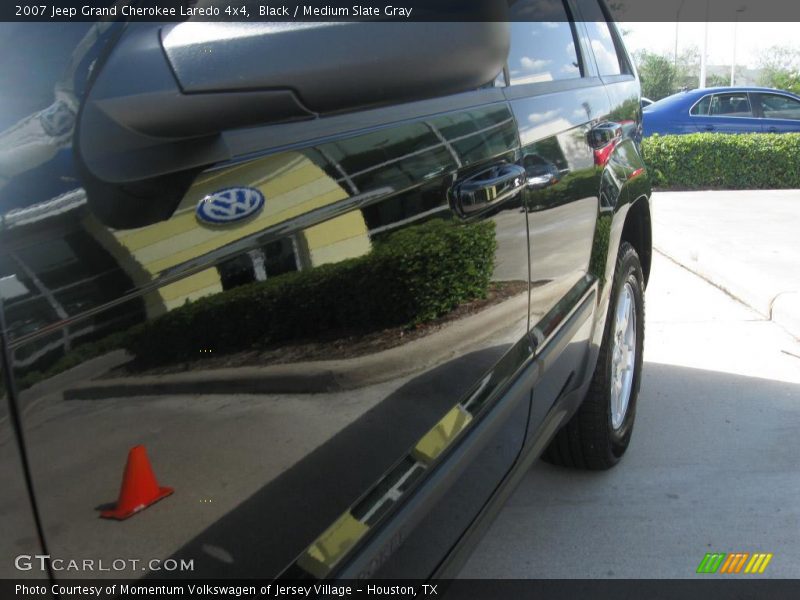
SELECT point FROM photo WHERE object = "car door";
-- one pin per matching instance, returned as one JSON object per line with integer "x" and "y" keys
{"x": 778, "y": 113}
{"x": 557, "y": 99}
{"x": 20, "y": 545}
{"x": 292, "y": 349}
{"x": 729, "y": 112}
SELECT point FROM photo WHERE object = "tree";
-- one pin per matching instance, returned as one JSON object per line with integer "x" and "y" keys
{"x": 780, "y": 68}
{"x": 657, "y": 73}
{"x": 714, "y": 80}
{"x": 663, "y": 74}
{"x": 688, "y": 68}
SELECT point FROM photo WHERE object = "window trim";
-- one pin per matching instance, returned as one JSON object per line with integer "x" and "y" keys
{"x": 749, "y": 101}
{"x": 626, "y": 65}
{"x": 582, "y": 39}
{"x": 619, "y": 45}
{"x": 618, "y": 78}
{"x": 576, "y": 38}
{"x": 703, "y": 97}
{"x": 542, "y": 88}
{"x": 781, "y": 94}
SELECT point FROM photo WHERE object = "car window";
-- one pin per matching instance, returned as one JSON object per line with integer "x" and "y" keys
{"x": 701, "y": 108}
{"x": 541, "y": 50}
{"x": 730, "y": 105}
{"x": 774, "y": 106}
{"x": 607, "y": 51}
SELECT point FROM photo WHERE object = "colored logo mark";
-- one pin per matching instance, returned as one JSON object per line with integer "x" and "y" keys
{"x": 229, "y": 205}
{"x": 735, "y": 562}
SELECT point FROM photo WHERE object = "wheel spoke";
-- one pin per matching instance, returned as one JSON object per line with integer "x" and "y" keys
{"x": 623, "y": 355}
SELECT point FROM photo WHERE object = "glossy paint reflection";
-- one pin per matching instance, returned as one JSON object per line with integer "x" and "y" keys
{"x": 273, "y": 452}
{"x": 20, "y": 536}
{"x": 307, "y": 378}
{"x": 562, "y": 191}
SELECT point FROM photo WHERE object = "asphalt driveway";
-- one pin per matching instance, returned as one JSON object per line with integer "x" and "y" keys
{"x": 713, "y": 465}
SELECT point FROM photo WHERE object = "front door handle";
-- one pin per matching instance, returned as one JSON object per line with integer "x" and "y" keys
{"x": 773, "y": 130}
{"x": 709, "y": 128}
{"x": 487, "y": 188}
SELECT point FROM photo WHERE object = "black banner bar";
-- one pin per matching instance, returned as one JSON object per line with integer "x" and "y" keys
{"x": 705, "y": 587}
{"x": 384, "y": 10}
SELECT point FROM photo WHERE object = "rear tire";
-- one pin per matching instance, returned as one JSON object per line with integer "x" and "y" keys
{"x": 597, "y": 435}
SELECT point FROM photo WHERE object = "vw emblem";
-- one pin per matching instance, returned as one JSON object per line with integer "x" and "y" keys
{"x": 229, "y": 205}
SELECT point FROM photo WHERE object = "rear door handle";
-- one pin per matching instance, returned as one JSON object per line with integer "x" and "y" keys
{"x": 542, "y": 175}
{"x": 709, "y": 127}
{"x": 540, "y": 181}
{"x": 487, "y": 188}
{"x": 603, "y": 134}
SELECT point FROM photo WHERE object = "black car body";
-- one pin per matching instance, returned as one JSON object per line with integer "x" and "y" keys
{"x": 342, "y": 315}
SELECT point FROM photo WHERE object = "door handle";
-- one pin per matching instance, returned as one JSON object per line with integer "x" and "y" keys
{"x": 709, "y": 128}
{"x": 487, "y": 188}
{"x": 603, "y": 134}
{"x": 540, "y": 176}
{"x": 540, "y": 181}
{"x": 773, "y": 130}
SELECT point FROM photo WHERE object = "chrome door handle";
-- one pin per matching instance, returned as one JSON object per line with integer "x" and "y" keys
{"x": 602, "y": 134}
{"x": 540, "y": 181}
{"x": 488, "y": 188}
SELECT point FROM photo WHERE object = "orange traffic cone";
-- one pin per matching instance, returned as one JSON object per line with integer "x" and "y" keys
{"x": 139, "y": 487}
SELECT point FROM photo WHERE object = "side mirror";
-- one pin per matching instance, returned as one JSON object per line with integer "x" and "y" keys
{"x": 164, "y": 84}
{"x": 166, "y": 93}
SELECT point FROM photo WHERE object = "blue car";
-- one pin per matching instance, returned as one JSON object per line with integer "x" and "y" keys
{"x": 724, "y": 110}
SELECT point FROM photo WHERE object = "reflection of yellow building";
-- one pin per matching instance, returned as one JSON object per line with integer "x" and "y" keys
{"x": 292, "y": 185}
{"x": 441, "y": 435}
{"x": 322, "y": 555}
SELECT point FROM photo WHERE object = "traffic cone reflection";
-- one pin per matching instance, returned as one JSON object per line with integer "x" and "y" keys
{"x": 139, "y": 487}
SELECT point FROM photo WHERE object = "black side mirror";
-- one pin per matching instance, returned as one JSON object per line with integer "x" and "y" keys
{"x": 164, "y": 96}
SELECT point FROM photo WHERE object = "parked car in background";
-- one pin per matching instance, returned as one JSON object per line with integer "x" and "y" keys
{"x": 724, "y": 110}
{"x": 375, "y": 280}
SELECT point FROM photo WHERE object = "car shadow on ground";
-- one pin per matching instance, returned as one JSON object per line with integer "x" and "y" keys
{"x": 712, "y": 467}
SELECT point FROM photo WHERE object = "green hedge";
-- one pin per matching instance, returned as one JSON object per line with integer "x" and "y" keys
{"x": 725, "y": 161}
{"x": 414, "y": 275}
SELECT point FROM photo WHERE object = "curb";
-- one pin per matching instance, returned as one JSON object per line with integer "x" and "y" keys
{"x": 320, "y": 376}
{"x": 773, "y": 295}
{"x": 784, "y": 310}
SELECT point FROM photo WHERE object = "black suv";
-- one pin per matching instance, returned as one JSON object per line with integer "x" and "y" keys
{"x": 317, "y": 295}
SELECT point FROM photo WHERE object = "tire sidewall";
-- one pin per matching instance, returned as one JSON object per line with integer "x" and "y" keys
{"x": 631, "y": 273}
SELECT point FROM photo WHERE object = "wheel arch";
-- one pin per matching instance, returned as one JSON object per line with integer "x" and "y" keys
{"x": 637, "y": 231}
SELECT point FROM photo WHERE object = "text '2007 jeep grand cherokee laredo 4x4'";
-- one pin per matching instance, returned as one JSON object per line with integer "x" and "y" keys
{"x": 327, "y": 309}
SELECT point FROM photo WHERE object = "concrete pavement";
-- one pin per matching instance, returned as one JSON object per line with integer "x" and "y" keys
{"x": 712, "y": 466}
{"x": 745, "y": 242}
